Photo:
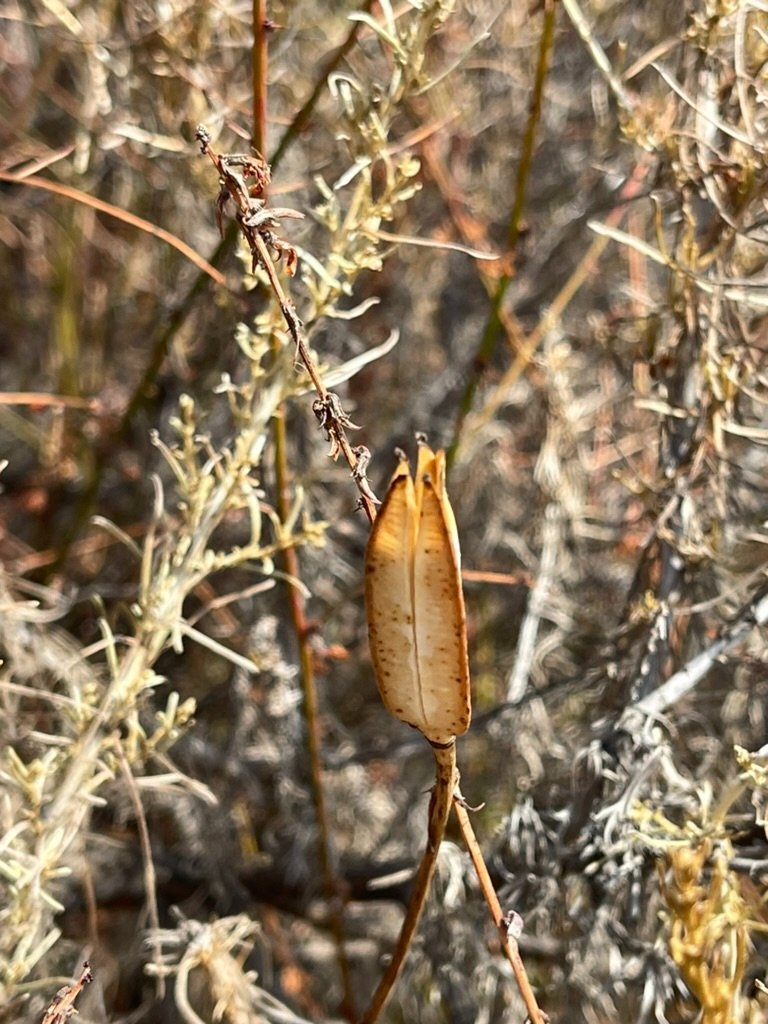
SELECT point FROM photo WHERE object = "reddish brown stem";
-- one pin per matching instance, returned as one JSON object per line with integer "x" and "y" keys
{"x": 446, "y": 784}
{"x": 259, "y": 59}
{"x": 508, "y": 943}
{"x": 312, "y": 718}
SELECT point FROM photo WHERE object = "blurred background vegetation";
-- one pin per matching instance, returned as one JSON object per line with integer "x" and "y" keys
{"x": 200, "y": 790}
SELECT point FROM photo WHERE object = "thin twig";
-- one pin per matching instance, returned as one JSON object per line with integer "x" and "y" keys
{"x": 259, "y": 59}
{"x": 446, "y": 786}
{"x": 487, "y": 344}
{"x": 40, "y": 399}
{"x": 290, "y": 558}
{"x": 299, "y": 122}
{"x": 602, "y": 63}
{"x": 501, "y": 920}
{"x": 257, "y": 223}
{"x": 310, "y": 705}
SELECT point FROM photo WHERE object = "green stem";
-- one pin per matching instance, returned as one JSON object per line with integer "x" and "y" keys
{"x": 299, "y": 122}
{"x": 487, "y": 344}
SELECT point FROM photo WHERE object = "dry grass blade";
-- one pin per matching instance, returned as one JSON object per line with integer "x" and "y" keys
{"x": 55, "y": 187}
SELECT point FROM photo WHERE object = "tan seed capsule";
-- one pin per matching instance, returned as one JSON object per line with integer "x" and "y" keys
{"x": 415, "y": 604}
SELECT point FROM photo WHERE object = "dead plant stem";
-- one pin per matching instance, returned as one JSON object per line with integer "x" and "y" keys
{"x": 260, "y": 58}
{"x": 77, "y": 195}
{"x": 446, "y": 785}
{"x": 310, "y": 707}
{"x": 508, "y": 943}
{"x": 305, "y": 357}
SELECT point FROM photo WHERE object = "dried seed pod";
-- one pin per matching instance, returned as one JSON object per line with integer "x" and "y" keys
{"x": 415, "y": 604}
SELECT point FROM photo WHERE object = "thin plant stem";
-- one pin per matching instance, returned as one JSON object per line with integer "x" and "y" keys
{"x": 574, "y": 12}
{"x": 312, "y": 720}
{"x": 446, "y": 785}
{"x": 333, "y": 417}
{"x": 302, "y": 116}
{"x": 290, "y": 559}
{"x": 259, "y": 59}
{"x": 508, "y": 942}
{"x": 493, "y": 325}
{"x": 39, "y": 399}
{"x": 339, "y": 437}
{"x": 584, "y": 268}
